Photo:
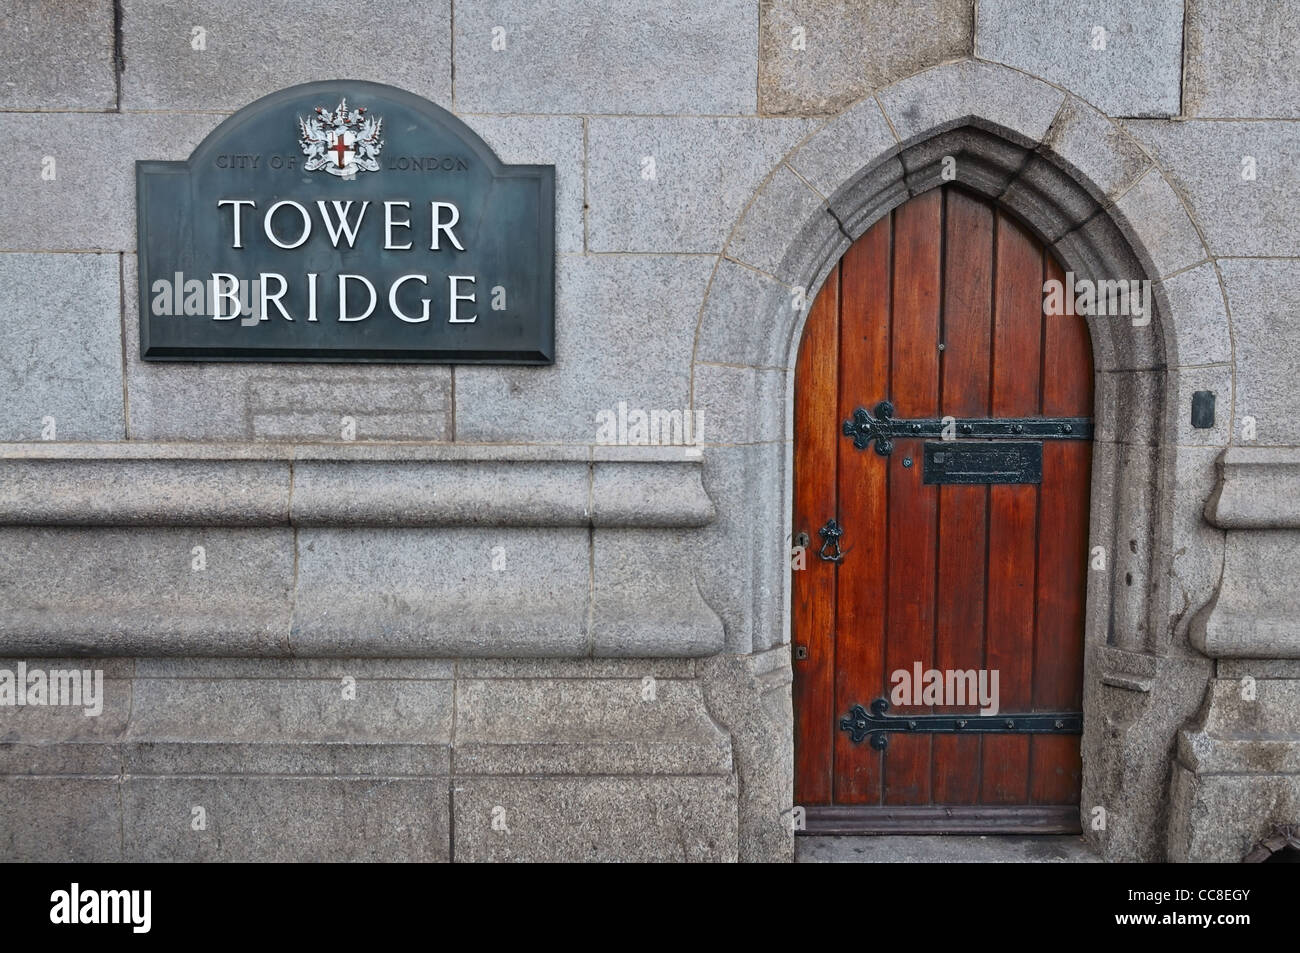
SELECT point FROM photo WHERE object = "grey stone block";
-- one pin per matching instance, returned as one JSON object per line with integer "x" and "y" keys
{"x": 1196, "y": 563}
{"x": 269, "y": 710}
{"x": 308, "y": 759}
{"x": 664, "y": 494}
{"x": 1130, "y": 750}
{"x": 851, "y": 49}
{"x": 1266, "y": 335}
{"x": 1204, "y": 161}
{"x": 254, "y": 49}
{"x": 187, "y": 401}
{"x": 705, "y": 171}
{"x": 332, "y": 669}
{"x": 741, "y": 404}
{"x": 744, "y": 316}
{"x": 1102, "y": 251}
{"x": 90, "y": 202}
{"x": 624, "y": 330}
{"x": 425, "y": 593}
{"x": 60, "y": 820}
{"x": 783, "y": 208}
{"x": 1127, "y": 532}
{"x": 1256, "y": 489}
{"x": 1137, "y": 73}
{"x": 1133, "y": 399}
{"x": 386, "y": 403}
{"x": 1241, "y": 734}
{"x": 1241, "y": 64}
{"x": 646, "y": 601}
{"x": 837, "y": 152}
{"x": 58, "y": 758}
{"x": 747, "y": 588}
{"x": 1105, "y": 157}
{"x": 285, "y": 819}
{"x": 1220, "y": 818}
{"x": 750, "y": 696}
{"x": 575, "y": 668}
{"x": 86, "y": 700}
{"x": 1238, "y": 771}
{"x": 632, "y": 726}
{"x": 465, "y": 493}
{"x": 648, "y": 819}
{"x": 144, "y": 492}
{"x": 502, "y": 453}
{"x": 548, "y": 140}
{"x": 947, "y": 96}
{"x": 135, "y": 592}
{"x": 1042, "y": 194}
{"x": 1157, "y": 218}
{"x": 1258, "y": 668}
{"x": 57, "y": 56}
{"x": 864, "y": 201}
{"x": 569, "y": 57}
{"x": 810, "y": 253}
{"x": 60, "y": 347}
{"x": 772, "y": 498}
{"x": 1195, "y": 306}
{"x": 1255, "y": 611}
{"x": 983, "y": 160}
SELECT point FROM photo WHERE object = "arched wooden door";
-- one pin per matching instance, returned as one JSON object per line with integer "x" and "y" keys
{"x": 962, "y": 513}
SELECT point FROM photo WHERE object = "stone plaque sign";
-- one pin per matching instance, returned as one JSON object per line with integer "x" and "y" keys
{"x": 349, "y": 222}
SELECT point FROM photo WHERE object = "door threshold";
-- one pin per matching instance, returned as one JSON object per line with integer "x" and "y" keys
{"x": 941, "y": 819}
{"x": 947, "y": 849}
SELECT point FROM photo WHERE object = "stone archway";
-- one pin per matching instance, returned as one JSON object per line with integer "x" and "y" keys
{"x": 1103, "y": 205}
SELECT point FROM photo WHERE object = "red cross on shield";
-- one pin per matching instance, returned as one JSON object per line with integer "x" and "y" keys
{"x": 341, "y": 148}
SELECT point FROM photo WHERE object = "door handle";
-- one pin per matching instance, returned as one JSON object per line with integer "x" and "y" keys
{"x": 830, "y": 534}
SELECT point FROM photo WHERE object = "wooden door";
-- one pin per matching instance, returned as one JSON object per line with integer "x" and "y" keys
{"x": 957, "y": 556}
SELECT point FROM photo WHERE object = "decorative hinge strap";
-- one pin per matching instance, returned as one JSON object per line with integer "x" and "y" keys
{"x": 877, "y": 725}
{"x": 880, "y": 427}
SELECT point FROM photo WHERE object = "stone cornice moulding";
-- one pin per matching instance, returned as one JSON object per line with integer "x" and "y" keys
{"x": 1253, "y": 614}
{"x": 350, "y": 485}
{"x": 1257, "y": 488}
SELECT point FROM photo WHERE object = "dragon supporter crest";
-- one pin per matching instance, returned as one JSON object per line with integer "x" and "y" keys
{"x": 342, "y": 143}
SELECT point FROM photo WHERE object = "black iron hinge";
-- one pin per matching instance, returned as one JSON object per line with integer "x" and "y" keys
{"x": 877, "y": 725}
{"x": 880, "y": 427}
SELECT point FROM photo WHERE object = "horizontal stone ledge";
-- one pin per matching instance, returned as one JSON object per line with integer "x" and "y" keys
{"x": 215, "y": 757}
{"x": 350, "y": 486}
{"x": 1258, "y": 488}
{"x": 277, "y": 592}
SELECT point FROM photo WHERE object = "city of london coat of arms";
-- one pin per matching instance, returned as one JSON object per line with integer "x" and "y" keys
{"x": 342, "y": 143}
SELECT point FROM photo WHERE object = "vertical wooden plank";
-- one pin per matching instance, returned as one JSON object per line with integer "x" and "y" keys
{"x": 860, "y": 598}
{"x": 813, "y": 588}
{"x": 914, "y": 389}
{"x": 1062, "y": 553}
{"x": 1017, "y": 334}
{"x": 959, "y": 610}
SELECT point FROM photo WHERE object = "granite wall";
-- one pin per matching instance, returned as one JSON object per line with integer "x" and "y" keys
{"x": 469, "y": 631}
